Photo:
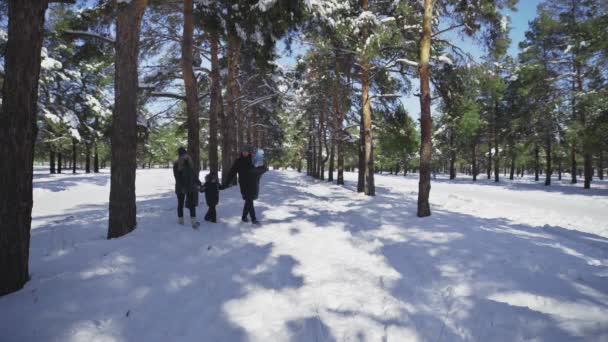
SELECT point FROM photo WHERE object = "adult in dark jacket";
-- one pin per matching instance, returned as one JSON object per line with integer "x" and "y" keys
{"x": 186, "y": 186}
{"x": 249, "y": 181}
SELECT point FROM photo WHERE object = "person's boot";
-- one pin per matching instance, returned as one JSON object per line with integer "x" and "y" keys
{"x": 255, "y": 221}
{"x": 244, "y": 219}
{"x": 180, "y": 220}
{"x": 194, "y": 222}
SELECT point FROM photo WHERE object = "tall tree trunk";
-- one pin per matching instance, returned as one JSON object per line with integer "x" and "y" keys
{"x": 573, "y": 164}
{"x": 588, "y": 169}
{"x": 309, "y": 156}
{"x": 18, "y": 131}
{"x": 452, "y": 156}
{"x": 587, "y": 159}
{"x": 190, "y": 85}
{"x": 361, "y": 163}
{"x": 52, "y": 161}
{"x": 536, "y": 162}
{"x": 330, "y": 171}
{"x": 216, "y": 101}
{"x": 489, "y": 166}
{"x": 95, "y": 159}
{"x": 600, "y": 166}
{"x": 548, "y": 167}
{"x": 240, "y": 115}
{"x": 87, "y": 161}
{"x": 254, "y": 126}
{"x": 369, "y": 187}
{"x": 512, "y": 167}
{"x": 474, "y": 161}
{"x": 192, "y": 106}
{"x": 426, "y": 122}
{"x": 320, "y": 131}
{"x": 315, "y": 160}
{"x": 122, "y": 218}
{"x": 496, "y": 157}
{"x": 339, "y": 150}
{"x": 229, "y": 134}
{"x": 73, "y": 155}
{"x": 59, "y": 162}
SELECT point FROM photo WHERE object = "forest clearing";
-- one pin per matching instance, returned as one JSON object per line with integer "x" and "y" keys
{"x": 303, "y": 170}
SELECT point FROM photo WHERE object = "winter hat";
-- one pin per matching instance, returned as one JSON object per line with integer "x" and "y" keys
{"x": 181, "y": 151}
{"x": 211, "y": 176}
{"x": 247, "y": 148}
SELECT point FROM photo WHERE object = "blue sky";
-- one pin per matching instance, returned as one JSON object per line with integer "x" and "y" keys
{"x": 526, "y": 11}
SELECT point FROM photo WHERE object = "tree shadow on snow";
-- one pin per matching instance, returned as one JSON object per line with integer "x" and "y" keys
{"x": 62, "y": 182}
{"x": 454, "y": 277}
{"x": 471, "y": 278}
{"x": 161, "y": 282}
{"x": 598, "y": 187}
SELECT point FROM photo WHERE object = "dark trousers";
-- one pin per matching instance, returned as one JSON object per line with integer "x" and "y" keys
{"x": 211, "y": 214}
{"x": 248, "y": 209}
{"x": 180, "y": 204}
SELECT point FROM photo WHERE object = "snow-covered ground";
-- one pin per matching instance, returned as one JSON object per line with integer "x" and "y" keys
{"x": 508, "y": 262}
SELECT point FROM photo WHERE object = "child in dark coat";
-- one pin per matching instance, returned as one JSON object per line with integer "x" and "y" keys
{"x": 211, "y": 188}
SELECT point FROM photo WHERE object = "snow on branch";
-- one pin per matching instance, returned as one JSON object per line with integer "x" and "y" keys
{"x": 86, "y": 34}
{"x": 407, "y": 62}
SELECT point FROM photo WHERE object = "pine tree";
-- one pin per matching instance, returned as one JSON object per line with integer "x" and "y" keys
{"x": 17, "y": 136}
{"x": 122, "y": 217}
{"x": 470, "y": 18}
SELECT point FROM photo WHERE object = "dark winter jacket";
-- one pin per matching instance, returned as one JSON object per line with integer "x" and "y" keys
{"x": 212, "y": 193}
{"x": 185, "y": 179}
{"x": 249, "y": 177}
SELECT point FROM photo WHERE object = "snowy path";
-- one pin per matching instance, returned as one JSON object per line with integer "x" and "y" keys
{"x": 493, "y": 263}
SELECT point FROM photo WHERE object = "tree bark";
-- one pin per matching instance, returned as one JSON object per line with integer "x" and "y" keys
{"x": 361, "y": 161}
{"x": 315, "y": 160}
{"x": 320, "y": 130}
{"x": 573, "y": 164}
{"x": 229, "y": 148}
{"x": 489, "y": 166}
{"x": 600, "y": 166}
{"x": 87, "y": 161}
{"x": 369, "y": 187}
{"x": 122, "y": 218}
{"x": 95, "y": 154}
{"x": 330, "y": 171}
{"x": 73, "y": 156}
{"x": 216, "y": 101}
{"x": 536, "y": 162}
{"x": 496, "y": 156}
{"x": 18, "y": 131}
{"x": 512, "y": 168}
{"x": 95, "y": 159}
{"x": 548, "y": 166}
{"x": 452, "y": 155}
{"x": 474, "y": 161}
{"x": 192, "y": 106}
{"x": 240, "y": 115}
{"x": 426, "y": 122}
{"x": 59, "y": 162}
{"x": 52, "y": 161}
{"x": 588, "y": 172}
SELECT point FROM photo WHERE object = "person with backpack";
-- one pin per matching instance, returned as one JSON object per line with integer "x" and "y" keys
{"x": 249, "y": 181}
{"x": 186, "y": 187}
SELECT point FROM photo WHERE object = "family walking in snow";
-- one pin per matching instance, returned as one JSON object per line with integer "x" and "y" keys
{"x": 249, "y": 169}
